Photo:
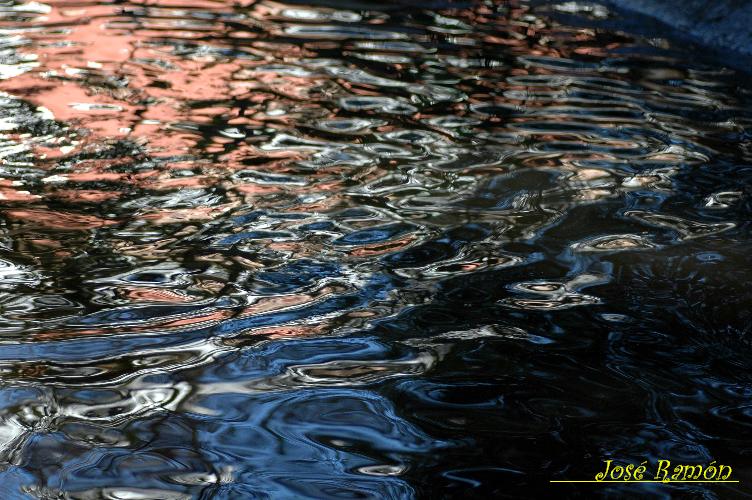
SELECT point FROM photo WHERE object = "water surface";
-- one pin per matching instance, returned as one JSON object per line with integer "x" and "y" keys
{"x": 366, "y": 250}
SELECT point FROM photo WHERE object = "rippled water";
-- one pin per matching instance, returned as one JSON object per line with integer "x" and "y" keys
{"x": 366, "y": 249}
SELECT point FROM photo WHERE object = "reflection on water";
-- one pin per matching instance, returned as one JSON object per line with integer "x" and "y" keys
{"x": 365, "y": 249}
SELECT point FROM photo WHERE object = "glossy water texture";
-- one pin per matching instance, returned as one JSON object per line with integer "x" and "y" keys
{"x": 366, "y": 250}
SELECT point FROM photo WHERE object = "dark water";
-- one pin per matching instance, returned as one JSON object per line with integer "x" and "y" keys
{"x": 366, "y": 250}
